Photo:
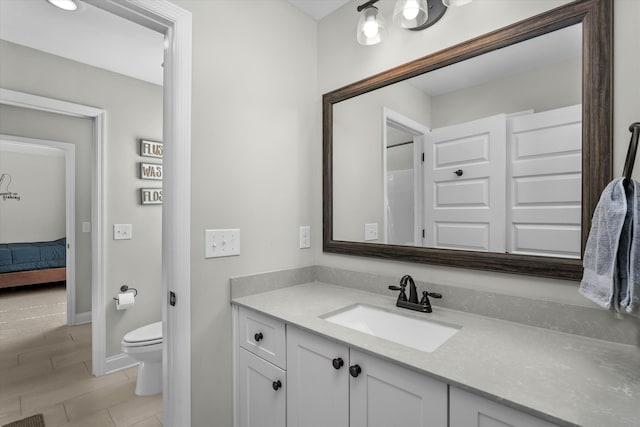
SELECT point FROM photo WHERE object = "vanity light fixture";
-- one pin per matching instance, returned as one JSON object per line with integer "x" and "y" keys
{"x": 68, "y": 5}
{"x": 413, "y": 15}
{"x": 372, "y": 28}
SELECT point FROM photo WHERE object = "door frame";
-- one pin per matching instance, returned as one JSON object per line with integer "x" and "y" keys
{"x": 98, "y": 117}
{"x": 20, "y": 144}
{"x": 176, "y": 24}
{"x": 391, "y": 118}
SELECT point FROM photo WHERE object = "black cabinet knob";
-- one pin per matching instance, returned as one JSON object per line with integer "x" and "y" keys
{"x": 459, "y": 172}
{"x": 258, "y": 336}
{"x": 276, "y": 385}
{"x": 337, "y": 363}
{"x": 355, "y": 370}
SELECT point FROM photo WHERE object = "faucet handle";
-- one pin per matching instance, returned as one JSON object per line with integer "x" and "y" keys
{"x": 403, "y": 295}
{"x": 426, "y": 295}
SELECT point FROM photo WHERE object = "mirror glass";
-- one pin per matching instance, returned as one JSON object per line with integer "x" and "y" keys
{"x": 482, "y": 155}
{"x": 515, "y": 129}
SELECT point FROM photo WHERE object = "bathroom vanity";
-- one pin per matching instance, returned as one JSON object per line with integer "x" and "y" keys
{"x": 297, "y": 368}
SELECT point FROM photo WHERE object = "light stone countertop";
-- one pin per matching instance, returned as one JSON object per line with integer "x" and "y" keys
{"x": 563, "y": 378}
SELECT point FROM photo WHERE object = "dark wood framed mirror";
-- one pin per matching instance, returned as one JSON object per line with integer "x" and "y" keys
{"x": 596, "y": 20}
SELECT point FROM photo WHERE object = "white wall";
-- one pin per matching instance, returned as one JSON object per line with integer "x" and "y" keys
{"x": 341, "y": 61}
{"x": 134, "y": 110}
{"x": 254, "y": 121}
{"x": 547, "y": 88}
{"x": 357, "y": 157}
{"x": 39, "y": 214}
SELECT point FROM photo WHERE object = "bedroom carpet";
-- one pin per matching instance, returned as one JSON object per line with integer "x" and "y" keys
{"x": 45, "y": 367}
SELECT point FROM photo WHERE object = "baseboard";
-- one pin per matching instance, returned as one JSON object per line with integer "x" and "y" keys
{"x": 81, "y": 318}
{"x": 118, "y": 362}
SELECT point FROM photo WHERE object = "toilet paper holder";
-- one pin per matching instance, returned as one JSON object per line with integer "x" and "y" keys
{"x": 125, "y": 288}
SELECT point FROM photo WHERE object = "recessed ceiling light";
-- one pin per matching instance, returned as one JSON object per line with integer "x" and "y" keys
{"x": 69, "y": 5}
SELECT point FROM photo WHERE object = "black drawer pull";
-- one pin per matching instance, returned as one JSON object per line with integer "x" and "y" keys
{"x": 276, "y": 385}
{"x": 258, "y": 337}
{"x": 337, "y": 363}
{"x": 355, "y": 370}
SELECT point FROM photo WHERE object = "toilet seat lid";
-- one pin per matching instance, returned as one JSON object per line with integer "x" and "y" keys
{"x": 145, "y": 334}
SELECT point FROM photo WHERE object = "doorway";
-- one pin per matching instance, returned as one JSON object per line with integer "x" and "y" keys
{"x": 175, "y": 23}
{"x": 40, "y": 147}
{"x": 402, "y": 158}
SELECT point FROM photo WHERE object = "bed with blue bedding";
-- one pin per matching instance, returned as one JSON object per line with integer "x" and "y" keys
{"x": 31, "y": 263}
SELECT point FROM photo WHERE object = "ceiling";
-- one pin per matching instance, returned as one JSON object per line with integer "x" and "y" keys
{"x": 89, "y": 35}
{"x": 98, "y": 38}
{"x": 318, "y": 9}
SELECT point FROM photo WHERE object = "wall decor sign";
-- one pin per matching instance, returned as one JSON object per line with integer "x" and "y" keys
{"x": 151, "y": 196}
{"x": 5, "y": 192}
{"x": 151, "y": 148}
{"x": 151, "y": 171}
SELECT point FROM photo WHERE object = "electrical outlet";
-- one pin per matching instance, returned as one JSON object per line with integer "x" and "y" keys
{"x": 219, "y": 243}
{"x": 122, "y": 232}
{"x": 305, "y": 236}
{"x": 371, "y": 231}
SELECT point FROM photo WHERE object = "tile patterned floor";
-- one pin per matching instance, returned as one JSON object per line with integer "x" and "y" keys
{"x": 45, "y": 367}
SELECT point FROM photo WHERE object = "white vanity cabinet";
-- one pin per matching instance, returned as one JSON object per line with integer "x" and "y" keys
{"x": 361, "y": 391}
{"x": 470, "y": 410}
{"x": 288, "y": 377}
{"x": 262, "y": 382}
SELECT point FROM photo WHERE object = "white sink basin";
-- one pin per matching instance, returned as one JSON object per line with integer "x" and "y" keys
{"x": 421, "y": 334}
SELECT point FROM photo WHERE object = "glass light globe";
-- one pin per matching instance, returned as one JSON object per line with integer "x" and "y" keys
{"x": 410, "y": 13}
{"x": 411, "y": 10}
{"x": 371, "y": 27}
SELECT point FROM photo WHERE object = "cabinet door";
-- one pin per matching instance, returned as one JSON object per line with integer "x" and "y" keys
{"x": 262, "y": 399}
{"x": 469, "y": 410}
{"x": 318, "y": 393}
{"x": 384, "y": 394}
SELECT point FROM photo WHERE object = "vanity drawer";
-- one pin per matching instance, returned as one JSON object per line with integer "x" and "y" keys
{"x": 263, "y": 336}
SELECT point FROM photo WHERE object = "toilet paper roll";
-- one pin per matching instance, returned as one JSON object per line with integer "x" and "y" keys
{"x": 125, "y": 301}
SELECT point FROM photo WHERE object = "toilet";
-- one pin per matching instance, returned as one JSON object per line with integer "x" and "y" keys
{"x": 145, "y": 345}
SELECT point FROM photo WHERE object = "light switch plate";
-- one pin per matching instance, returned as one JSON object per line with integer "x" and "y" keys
{"x": 219, "y": 243}
{"x": 371, "y": 231}
{"x": 122, "y": 232}
{"x": 305, "y": 236}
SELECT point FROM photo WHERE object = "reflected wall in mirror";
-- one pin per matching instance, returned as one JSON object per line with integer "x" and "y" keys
{"x": 474, "y": 156}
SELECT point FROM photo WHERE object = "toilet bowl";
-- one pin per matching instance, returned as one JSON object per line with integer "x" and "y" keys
{"x": 145, "y": 345}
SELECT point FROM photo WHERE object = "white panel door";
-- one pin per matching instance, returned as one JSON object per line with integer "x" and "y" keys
{"x": 468, "y": 410}
{"x": 465, "y": 169}
{"x": 262, "y": 392}
{"x": 318, "y": 384}
{"x": 384, "y": 394}
{"x": 545, "y": 183}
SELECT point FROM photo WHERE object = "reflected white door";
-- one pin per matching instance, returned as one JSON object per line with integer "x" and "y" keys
{"x": 465, "y": 169}
{"x": 545, "y": 183}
